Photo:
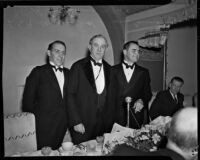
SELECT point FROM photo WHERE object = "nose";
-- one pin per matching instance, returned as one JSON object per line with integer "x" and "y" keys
{"x": 99, "y": 49}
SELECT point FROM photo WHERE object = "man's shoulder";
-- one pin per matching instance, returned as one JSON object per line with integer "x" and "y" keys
{"x": 163, "y": 92}
{"x": 141, "y": 68}
{"x": 41, "y": 67}
{"x": 80, "y": 61}
{"x": 117, "y": 66}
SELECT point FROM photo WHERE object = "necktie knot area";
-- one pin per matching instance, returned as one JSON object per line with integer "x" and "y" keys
{"x": 96, "y": 63}
{"x": 128, "y": 66}
{"x": 59, "y": 68}
{"x": 175, "y": 98}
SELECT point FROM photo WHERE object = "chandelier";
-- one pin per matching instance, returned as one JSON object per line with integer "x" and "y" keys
{"x": 62, "y": 14}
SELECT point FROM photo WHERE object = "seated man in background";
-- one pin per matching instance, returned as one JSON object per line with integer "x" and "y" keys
{"x": 182, "y": 138}
{"x": 169, "y": 101}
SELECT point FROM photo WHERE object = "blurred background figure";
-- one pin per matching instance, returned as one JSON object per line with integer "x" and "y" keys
{"x": 169, "y": 101}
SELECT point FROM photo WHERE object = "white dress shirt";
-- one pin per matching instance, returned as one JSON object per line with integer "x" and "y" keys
{"x": 99, "y": 77}
{"x": 60, "y": 77}
{"x": 128, "y": 71}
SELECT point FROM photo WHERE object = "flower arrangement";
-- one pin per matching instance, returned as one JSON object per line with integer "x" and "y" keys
{"x": 146, "y": 140}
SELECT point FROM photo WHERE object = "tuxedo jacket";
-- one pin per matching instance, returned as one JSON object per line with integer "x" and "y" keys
{"x": 83, "y": 98}
{"x": 42, "y": 96}
{"x": 125, "y": 150}
{"x": 165, "y": 105}
{"x": 137, "y": 88}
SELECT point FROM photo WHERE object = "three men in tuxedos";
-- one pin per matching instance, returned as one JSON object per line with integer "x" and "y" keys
{"x": 45, "y": 96}
{"x": 130, "y": 80}
{"x": 87, "y": 93}
{"x": 169, "y": 101}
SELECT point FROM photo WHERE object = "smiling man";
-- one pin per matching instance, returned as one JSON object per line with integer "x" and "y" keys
{"x": 88, "y": 86}
{"x": 45, "y": 96}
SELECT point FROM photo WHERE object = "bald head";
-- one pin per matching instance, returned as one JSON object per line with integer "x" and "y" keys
{"x": 187, "y": 120}
{"x": 183, "y": 129}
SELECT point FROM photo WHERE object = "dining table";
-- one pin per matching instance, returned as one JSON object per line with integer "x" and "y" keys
{"x": 88, "y": 148}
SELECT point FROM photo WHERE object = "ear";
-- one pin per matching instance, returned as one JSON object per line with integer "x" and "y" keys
{"x": 169, "y": 84}
{"x": 89, "y": 47}
{"x": 124, "y": 52}
{"x": 48, "y": 53}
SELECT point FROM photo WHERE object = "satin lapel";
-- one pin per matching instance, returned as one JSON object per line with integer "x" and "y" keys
{"x": 52, "y": 78}
{"x": 133, "y": 80}
{"x": 65, "y": 81}
{"x": 107, "y": 74}
{"x": 122, "y": 75}
{"x": 89, "y": 73}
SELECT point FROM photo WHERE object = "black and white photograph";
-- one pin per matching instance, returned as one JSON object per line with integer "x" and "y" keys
{"x": 100, "y": 79}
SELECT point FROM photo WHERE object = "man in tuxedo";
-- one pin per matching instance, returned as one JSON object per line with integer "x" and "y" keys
{"x": 182, "y": 139}
{"x": 45, "y": 96}
{"x": 169, "y": 101}
{"x": 130, "y": 80}
{"x": 88, "y": 87}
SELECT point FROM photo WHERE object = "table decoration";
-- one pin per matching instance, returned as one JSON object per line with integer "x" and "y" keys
{"x": 147, "y": 138}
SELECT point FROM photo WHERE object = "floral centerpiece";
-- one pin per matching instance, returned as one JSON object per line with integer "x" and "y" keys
{"x": 145, "y": 140}
{"x": 148, "y": 138}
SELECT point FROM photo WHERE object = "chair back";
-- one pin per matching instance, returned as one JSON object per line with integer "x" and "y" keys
{"x": 19, "y": 133}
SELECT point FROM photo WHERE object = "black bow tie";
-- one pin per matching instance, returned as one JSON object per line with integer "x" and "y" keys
{"x": 95, "y": 63}
{"x": 59, "y": 68}
{"x": 128, "y": 66}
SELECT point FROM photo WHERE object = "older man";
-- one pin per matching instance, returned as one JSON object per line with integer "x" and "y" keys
{"x": 88, "y": 87}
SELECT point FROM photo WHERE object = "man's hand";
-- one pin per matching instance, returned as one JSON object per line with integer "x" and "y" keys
{"x": 138, "y": 105}
{"x": 80, "y": 128}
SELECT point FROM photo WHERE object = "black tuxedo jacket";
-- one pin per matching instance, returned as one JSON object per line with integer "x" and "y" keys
{"x": 137, "y": 88}
{"x": 42, "y": 96}
{"x": 83, "y": 98}
{"x": 165, "y": 105}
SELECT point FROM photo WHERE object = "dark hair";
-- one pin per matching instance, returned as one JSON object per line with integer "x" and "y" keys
{"x": 55, "y": 42}
{"x": 183, "y": 139}
{"x": 177, "y": 79}
{"x": 127, "y": 44}
{"x": 98, "y": 36}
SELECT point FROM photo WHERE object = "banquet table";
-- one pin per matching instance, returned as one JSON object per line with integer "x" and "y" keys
{"x": 82, "y": 149}
{"x": 118, "y": 135}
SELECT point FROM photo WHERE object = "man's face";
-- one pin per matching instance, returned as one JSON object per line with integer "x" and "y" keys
{"x": 175, "y": 86}
{"x": 97, "y": 48}
{"x": 57, "y": 54}
{"x": 132, "y": 53}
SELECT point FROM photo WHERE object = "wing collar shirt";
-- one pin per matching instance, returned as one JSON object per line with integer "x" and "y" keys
{"x": 59, "y": 76}
{"x": 99, "y": 77}
{"x": 128, "y": 71}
